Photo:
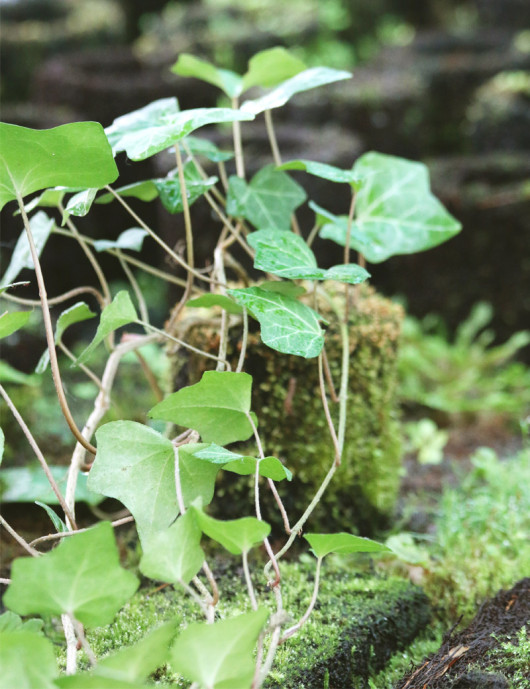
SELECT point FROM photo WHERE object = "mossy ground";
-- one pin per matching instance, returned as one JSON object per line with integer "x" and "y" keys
{"x": 359, "y": 621}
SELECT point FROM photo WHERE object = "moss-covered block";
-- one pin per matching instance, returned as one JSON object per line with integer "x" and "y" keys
{"x": 359, "y": 621}
{"x": 293, "y": 427}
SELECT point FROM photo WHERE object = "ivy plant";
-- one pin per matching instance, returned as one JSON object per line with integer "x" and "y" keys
{"x": 163, "y": 469}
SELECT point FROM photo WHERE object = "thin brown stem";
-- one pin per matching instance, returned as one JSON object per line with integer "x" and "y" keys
{"x": 19, "y": 539}
{"x": 238, "y": 147}
{"x": 60, "y": 298}
{"x": 66, "y": 534}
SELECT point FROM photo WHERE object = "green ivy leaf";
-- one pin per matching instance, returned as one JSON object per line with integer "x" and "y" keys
{"x": 303, "y": 81}
{"x": 11, "y": 622}
{"x": 131, "y": 239}
{"x": 288, "y": 289}
{"x": 41, "y": 227}
{"x": 323, "y": 170}
{"x": 269, "y": 467}
{"x": 287, "y": 255}
{"x": 135, "y": 663}
{"x": 58, "y": 523}
{"x": 29, "y": 484}
{"x": 8, "y": 374}
{"x": 202, "y": 147}
{"x": 11, "y": 322}
{"x": 81, "y": 576}
{"x": 229, "y": 645}
{"x": 396, "y": 212}
{"x": 286, "y": 325}
{"x": 216, "y": 407}
{"x": 344, "y": 543}
{"x": 80, "y": 203}
{"x": 27, "y": 660}
{"x": 190, "y": 66}
{"x": 160, "y": 124}
{"x": 118, "y": 313}
{"x": 136, "y": 465}
{"x": 236, "y": 535}
{"x": 173, "y": 555}
{"x": 49, "y": 198}
{"x": 75, "y": 314}
{"x": 208, "y": 300}
{"x": 268, "y": 201}
{"x": 86, "y": 681}
{"x": 270, "y": 67}
{"x": 72, "y": 155}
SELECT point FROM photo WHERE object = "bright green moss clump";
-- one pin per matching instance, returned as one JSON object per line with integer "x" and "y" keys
{"x": 286, "y": 398}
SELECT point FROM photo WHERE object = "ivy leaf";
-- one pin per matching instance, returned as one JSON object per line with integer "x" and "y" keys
{"x": 86, "y": 681}
{"x": 11, "y": 322}
{"x": 229, "y": 645}
{"x": 269, "y": 467}
{"x": 173, "y": 555}
{"x": 287, "y": 255}
{"x": 118, "y": 313}
{"x": 11, "y": 622}
{"x": 41, "y": 227}
{"x": 72, "y": 155}
{"x": 131, "y": 239}
{"x": 396, "y": 213}
{"x": 160, "y": 124}
{"x": 323, "y": 544}
{"x": 323, "y": 170}
{"x": 8, "y": 374}
{"x": 75, "y": 314}
{"x": 202, "y": 147}
{"x": 136, "y": 465}
{"x": 270, "y": 67}
{"x": 27, "y": 660}
{"x": 288, "y": 289}
{"x": 286, "y": 325}
{"x": 137, "y": 662}
{"x": 205, "y": 301}
{"x": 217, "y": 407}
{"x": 80, "y": 203}
{"x": 81, "y": 576}
{"x": 145, "y": 190}
{"x": 29, "y": 484}
{"x": 49, "y": 198}
{"x": 303, "y": 81}
{"x": 236, "y": 535}
{"x": 268, "y": 201}
{"x": 190, "y": 66}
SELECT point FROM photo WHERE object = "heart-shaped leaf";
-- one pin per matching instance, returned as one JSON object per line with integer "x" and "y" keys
{"x": 173, "y": 555}
{"x": 229, "y": 645}
{"x": 118, "y": 313}
{"x": 80, "y": 204}
{"x": 190, "y": 66}
{"x": 286, "y": 325}
{"x": 303, "y": 81}
{"x": 287, "y": 255}
{"x": 270, "y": 67}
{"x": 268, "y": 201}
{"x": 81, "y": 577}
{"x": 27, "y": 660}
{"x": 396, "y": 212}
{"x": 137, "y": 662}
{"x": 323, "y": 170}
{"x": 131, "y": 239}
{"x": 136, "y": 465}
{"x": 160, "y": 124}
{"x": 41, "y": 227}
{"x": 323, "y": 544}
{"x": 217, "y": 407}
{"x": 72, "y": 155}
{"x": 269, "y": 467}
{"x": 236, "y": 535}
{"x": 11, "y": 322}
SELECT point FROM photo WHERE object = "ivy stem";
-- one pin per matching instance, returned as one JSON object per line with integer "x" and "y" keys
{"x": 19, "y": 539}
{"x": 277, "y": 158}
{"x": 326, "y": 408}
{"x": 60, "y": 298}
{"x": 71, "y": 645}
{"x": 244, "y": 342}
{"x": 39, "y": 455}
{"x": 88, "y": 373}
{"x": 142, "y": 306}
{"x": 250, "y": 588}
{"x": 265, "y": 669}
{"x": 223, "y": 331}
{"x": 238, "y": 148}
{"x": 56, "y": 374}
{"x": 178, "y": 486}
{"x": 292, "y": 630}
{"x": 234, "y": 231}
{"x": 66, "y": 534}
{"x": 347, "y": 255}
{"x": 80, "y": 633}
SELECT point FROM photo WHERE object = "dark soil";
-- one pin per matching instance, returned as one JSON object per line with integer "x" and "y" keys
{"x": 464, "y": 661}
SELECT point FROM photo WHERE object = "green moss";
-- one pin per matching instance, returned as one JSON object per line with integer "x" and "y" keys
{"x": 286, "y": 398}
{"x": 512, "y": 655}
{"x": 358, "y": 622}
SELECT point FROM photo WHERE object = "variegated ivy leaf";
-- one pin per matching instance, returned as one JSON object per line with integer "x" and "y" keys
{"x": 323, "y": 170}
{"x": 287, "y": 255}
{"x": 80, "y": 204}
{"x": 41, "y": 227}
{"x": 131, "y": 239}
{"x": 161, "y": 124}
{"x": 267, "y": 201}
{"x": 287, "y": 325}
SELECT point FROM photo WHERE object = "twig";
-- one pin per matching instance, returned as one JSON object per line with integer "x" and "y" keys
{"x": 19, "y": 539}
{"x": 292, "y": 630}
{"x": 66, "y": 534}
{"x": 60, "y": 298}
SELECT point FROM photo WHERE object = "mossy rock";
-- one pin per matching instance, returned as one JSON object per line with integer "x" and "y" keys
{"x": 286, "y": 399}
{"x": 360, "y": 620}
